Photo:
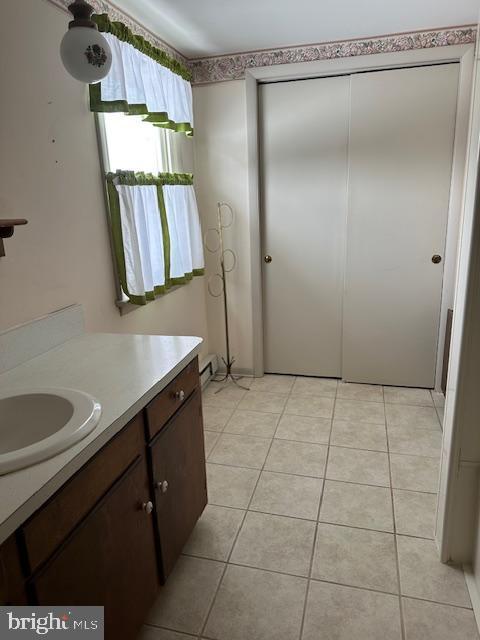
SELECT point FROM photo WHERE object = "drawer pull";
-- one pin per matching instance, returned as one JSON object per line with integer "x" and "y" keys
{"x": 180, "y": 395}
{"x": 148, "y": 507}
{"x": 163, "y": 486}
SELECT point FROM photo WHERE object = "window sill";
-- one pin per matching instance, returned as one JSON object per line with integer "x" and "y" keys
{"x": 125, "y": 306}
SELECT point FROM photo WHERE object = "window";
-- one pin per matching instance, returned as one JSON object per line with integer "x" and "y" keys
{"x": 156, "y": 234}
{"x": 133, "y": 144}
{"x": 130, "y": 143}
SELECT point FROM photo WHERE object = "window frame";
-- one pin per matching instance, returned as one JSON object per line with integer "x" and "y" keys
{"x": 121, "y": 301}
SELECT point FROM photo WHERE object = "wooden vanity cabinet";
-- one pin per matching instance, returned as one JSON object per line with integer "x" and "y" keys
{"x": 109, "y": 559}
{"x": 56, "y": 519}
{"x": 113, "y": 532}
{"x": 177, "y": 456}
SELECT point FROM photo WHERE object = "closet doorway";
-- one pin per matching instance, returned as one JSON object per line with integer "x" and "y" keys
{"x": 355, "y": 179}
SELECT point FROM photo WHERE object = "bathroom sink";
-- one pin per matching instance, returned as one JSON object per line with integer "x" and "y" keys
{"x": 36, "y": 424}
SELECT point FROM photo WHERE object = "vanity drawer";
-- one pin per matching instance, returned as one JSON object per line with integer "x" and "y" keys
{"x": 168, "y": 401}
{"x": 52, "y": 523}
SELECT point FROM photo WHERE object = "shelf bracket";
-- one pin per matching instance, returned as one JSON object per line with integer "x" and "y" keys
{"x": 7, "y": 228}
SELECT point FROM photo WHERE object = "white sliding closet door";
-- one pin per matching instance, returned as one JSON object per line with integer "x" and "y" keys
{"x": 400, "y": 158}
{"x": 304, "y": 141}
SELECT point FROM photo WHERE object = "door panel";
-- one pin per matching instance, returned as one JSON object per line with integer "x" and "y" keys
{"x": 304, "y": 137}
{"x": 400, "y": 158}
{"x": 109, "y": 559}
{"x": 178, "y": 459}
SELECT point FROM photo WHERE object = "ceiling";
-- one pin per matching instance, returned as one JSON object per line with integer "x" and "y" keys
{"x": 199, "y": 28}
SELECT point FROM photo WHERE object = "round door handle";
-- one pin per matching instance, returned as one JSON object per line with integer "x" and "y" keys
{"x": 148, "y": 507}
{"x": 267, "y": 259}
{"x": 180, "y": 395}
{"x": 163, "y": 486}
{"x": 436, "y": 258}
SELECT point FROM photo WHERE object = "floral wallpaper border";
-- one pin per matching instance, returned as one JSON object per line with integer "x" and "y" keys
{"x": 101, "y": 6}
{"x": 232, "y": 67}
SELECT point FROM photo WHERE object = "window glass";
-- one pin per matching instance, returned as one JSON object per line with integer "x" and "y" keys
{"x": 134, "y": 145}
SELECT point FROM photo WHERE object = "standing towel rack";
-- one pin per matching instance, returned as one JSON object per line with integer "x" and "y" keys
{"x": 222, "y": 279}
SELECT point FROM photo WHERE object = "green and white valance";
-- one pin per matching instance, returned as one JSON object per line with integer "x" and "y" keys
{"x": 156, "y": 232}
{"x": 143, "y": 80}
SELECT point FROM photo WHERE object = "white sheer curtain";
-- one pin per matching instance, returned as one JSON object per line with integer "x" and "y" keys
{"x": 138, "y": 79}
{"x": 143, "y": 245}
{"x": 147, "y": 271}
{"x": 186, "y": 246}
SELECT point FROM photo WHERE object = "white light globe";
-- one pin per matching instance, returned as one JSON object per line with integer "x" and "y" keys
{"x": 86, "y": 54}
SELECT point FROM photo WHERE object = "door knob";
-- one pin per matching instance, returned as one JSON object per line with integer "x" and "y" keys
{"x": 436, "y": 259}
{"x": 163, "y": 486}
{"x": 267, "y": 259}
{"x": 148, "y": 507}
{"x": 180, "y": 395}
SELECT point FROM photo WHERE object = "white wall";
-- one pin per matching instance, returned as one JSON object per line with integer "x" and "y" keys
{"x": 51, "y": 176}
{"x": 221, "y": 175}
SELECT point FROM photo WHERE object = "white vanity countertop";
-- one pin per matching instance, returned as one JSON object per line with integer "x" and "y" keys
{"x": 123, "y": 372}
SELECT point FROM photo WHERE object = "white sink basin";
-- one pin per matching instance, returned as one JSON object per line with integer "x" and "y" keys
{"x": 36, "y": 424}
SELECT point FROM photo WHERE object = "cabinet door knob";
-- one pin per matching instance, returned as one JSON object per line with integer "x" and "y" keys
{"x": 147, "y": 507}
{"x": 180, "y": 395}
{"x": 163, "y": 486}
{"x": 436, "y": 259}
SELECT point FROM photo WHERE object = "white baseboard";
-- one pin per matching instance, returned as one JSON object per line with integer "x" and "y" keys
{"x": 220, "y": 367}
{"x": 473, "y": 591}
{"x": 208, "y": 368}
{"x": 238, "y": 371}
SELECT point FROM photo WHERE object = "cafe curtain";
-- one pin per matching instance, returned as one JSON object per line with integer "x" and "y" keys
{"x": 156, "y": 232}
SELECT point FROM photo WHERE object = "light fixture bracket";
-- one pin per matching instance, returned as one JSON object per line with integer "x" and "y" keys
{"x": 82, "y": 15}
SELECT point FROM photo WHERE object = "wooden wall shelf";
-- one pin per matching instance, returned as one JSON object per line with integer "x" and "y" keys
{"x": 7, "y": 227}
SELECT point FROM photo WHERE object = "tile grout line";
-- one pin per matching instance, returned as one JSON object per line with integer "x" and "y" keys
{"x": 319, "y": 521}
{"x": 298, "y": 475}
{"x": 225, "y": 562}
{"x": 315, "y": 536}
{"x": 305, "y": 396}
{"x": 209, "y": 610}
{"x": 338, "y": 446}
{"x": 247, "y": 510}
{"x": 340, "y": 584}
{"x": 322, "y": 580}
{"x": 156, "y": 626}
{"x": 395, "y": 541}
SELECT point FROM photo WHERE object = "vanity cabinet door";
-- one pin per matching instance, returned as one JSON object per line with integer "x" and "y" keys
{"x": 12, "y": 580}
{"x": 178, "y": 466}
{"x": 109, "y": 559}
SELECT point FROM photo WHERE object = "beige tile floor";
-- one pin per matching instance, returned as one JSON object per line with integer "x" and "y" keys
{"x": 320, "y": 520}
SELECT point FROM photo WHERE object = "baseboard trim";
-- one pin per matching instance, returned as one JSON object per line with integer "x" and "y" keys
{"x": 239, "y": 371}
{"x": 208, "y": 369}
